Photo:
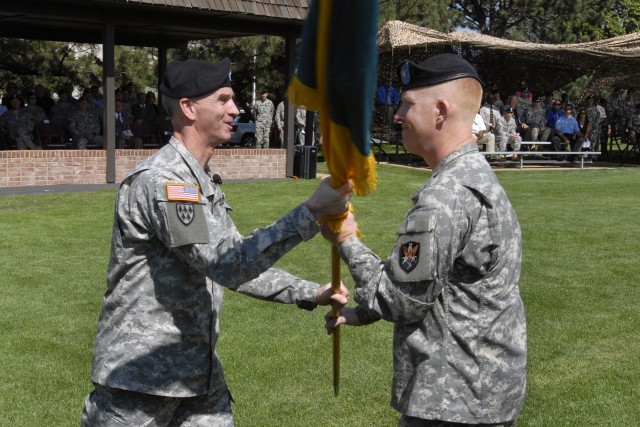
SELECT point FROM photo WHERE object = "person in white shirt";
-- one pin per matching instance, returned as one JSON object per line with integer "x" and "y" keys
{"x": 483, "y": 137}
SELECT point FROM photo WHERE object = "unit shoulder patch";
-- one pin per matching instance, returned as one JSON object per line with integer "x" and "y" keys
{"x": 409, "y": 255}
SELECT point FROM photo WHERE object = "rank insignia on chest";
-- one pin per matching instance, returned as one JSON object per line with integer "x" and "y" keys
{"x": 185, "y": 212}
{"x": 409, "y": 256}
{"x": 183, "y": 193}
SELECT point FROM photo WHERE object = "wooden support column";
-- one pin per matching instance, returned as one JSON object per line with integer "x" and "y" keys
{"x": 108, "y": 90}
{"x": 289, "y": 110}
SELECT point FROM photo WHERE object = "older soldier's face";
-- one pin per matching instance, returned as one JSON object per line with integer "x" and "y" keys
{"x": 214, "y": 115}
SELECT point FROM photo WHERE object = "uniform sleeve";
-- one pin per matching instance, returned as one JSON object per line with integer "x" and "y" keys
{"x": 204, "y": 236}
{"x": 405, "y": 287}
{"x": 279, "y": 286}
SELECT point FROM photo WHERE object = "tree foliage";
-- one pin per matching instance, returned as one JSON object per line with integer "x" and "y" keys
{"x": 259, "y": 61}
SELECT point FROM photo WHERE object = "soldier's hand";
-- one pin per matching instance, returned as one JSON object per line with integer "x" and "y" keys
{"x": 327, "y": 200}
{"x": 325, "y": 296}
{"x": 349, "y": 228}
{"x": 347, "y": 317}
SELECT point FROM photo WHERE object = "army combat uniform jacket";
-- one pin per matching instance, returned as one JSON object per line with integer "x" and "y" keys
{"x": 451, "y": 289}
{"x": 173, "y": 249}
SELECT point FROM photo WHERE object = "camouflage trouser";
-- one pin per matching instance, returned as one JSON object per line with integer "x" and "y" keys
{"x": 81, "y": 142}
{"x": 24, "y": 139}
{"x": 502, "y": 143}
{"x": 262, "y": 134}
{"x": 108, "y": 407}
{"x": 419, "y": 422}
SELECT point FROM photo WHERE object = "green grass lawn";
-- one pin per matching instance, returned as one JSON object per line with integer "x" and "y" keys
{"x": 579, "y": 283}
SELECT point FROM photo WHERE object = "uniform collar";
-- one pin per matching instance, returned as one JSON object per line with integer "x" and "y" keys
{"x": 465, "y": 149}
{"x": 202, "y": 175}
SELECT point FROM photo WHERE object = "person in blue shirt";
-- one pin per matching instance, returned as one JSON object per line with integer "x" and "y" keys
{"x": 553, "y": 113}
{"x": 567, "y": 131}
{"x": 387, "y": 101}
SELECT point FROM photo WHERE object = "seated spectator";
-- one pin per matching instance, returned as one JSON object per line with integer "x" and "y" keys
{"x": 483, "y": 136}
{"x": 634, "y": 129}
{"x": 139, "y": 109}
{"x": 132, "y": 93}
{"x": 95, "y": 108}
{"x": 11, "y": 91}
{"x": 567, "y": 132}
{"x": 33, "y": 114}
{"x": 60, "y": 114}
{"x": 85, "y": 127}
{"x": 518, "y": 113}
{"x": 70, "y": 88}
{"x": 506, "y": 133}
{"x": 44, "y": 101}
{"x": 14, "y": 126}
{"x": 124, "y": 136}
{"x": 490, "y": 112}
{"x": 387, "y": 102}
{"x": 535, "y": 118}
{"x": 552, "y": 116}
{"x": 523, "y": 93}
{"x": 586, "y": 128}
{"x": 498, "y": 99}
{"x": 547, "y": 102}
{"x": 121, "y": 95}
{"x": 152, "y": 107}
{"x": 524, "y": 97}
{"x": 96, "y": 97}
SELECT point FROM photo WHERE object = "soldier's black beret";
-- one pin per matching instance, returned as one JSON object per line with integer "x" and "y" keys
{"x": 191, "y": 78}
{"x": 435, "y": 70}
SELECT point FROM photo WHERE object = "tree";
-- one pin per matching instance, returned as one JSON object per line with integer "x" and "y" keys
{"x": 434, "y": 14}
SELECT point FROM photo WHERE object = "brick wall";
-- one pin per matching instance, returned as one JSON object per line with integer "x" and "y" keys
{"x": 53, "y": 167}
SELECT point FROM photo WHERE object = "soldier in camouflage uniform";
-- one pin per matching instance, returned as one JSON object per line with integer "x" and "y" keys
{"x": 174, "y": 247}
{"x": 17, "y": 126}
{"x": 634, "y": 128}
{"x": 535, "y": 117}
{"x": 279, "y": 119}
{"x": 300, "y": 124}
{"x": 450, "y": 286}
{"x": 84, "y": 126}
{"x": 616, "y": 112}
{"x": 506, "y": 128}
{"x": 33, "y": 114}
{"x": 60, "y": 114}
{"x": 263, "y": 112}
{"x": 593, "y": 116}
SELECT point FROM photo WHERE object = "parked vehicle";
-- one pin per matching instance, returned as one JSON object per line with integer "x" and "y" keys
{"x": 244, "y": 131}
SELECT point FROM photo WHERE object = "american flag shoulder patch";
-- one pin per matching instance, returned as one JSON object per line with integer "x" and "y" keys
{"x": 183, "y": 193}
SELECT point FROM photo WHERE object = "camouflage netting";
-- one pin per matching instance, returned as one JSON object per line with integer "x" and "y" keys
{"x": 545, "y": 67}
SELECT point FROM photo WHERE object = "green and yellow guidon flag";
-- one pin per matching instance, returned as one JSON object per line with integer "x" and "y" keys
{"x": 336, "y": 76}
